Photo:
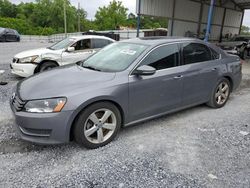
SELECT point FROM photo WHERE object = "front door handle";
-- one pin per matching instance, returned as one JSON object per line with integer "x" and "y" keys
{"x": 178, "y": 77}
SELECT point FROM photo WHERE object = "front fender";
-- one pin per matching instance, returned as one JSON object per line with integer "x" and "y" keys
{"x": 119, "y": 97}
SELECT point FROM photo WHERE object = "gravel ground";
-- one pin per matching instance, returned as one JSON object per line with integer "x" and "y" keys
{"x": 197, "y": 147}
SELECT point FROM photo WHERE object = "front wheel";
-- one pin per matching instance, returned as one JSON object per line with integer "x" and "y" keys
{"x": 47, "y": 66}
{"x": 97, "y": 125}
{"x": 220, "y": 94}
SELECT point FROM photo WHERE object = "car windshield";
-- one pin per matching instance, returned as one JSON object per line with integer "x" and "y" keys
{"x": 63, "y": 44}
{"x": 115, "y": 57}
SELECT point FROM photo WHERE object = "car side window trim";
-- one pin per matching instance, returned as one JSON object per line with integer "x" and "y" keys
{"x": 156, "y": 47}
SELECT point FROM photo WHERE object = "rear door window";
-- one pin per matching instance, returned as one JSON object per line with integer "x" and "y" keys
{"x": 100, "y": 43}
{"x": 195, "y": 53}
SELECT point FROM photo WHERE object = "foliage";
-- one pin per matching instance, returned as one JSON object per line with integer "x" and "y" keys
{"x": 245, "y": 30}
{"x": 23, "y": 27}
{"x": 45, "y": 17}
{"x": 7, "y": 9}
{"x": 41, "y": 17}
{"x": 112, "y": 16}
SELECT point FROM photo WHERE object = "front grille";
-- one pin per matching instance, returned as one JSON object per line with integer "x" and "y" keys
{"x": 17, "y": 102}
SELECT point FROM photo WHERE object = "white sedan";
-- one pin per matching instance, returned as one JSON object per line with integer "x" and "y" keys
{"x": 67, "y": 51}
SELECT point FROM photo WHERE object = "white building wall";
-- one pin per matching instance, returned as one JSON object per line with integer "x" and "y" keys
{"x": 187, "y": 10}
{"x": 233, "y": 18}
{"x": 181, "y": 27}
{"x": 217, "y": 15}
{"x": 161, "y": 8}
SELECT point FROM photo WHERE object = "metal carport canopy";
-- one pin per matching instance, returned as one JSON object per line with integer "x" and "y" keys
{"x": 243, "y": 4}
{"x": 193, "y": 15}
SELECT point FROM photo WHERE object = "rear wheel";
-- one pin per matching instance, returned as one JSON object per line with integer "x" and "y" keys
{"x": 97, "y": 125}
{"x": 47, "y": 66}
{"x": 220, "y": 94}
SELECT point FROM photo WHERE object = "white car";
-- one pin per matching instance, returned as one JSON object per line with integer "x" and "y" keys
{"x": 67, "y": 51}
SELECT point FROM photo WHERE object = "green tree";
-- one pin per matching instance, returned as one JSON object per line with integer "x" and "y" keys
{"x": 7, "y": 9}
{"x": 148, "y": 22}
{"x": 111, "y": 16}
{"x": 245, "y": 30}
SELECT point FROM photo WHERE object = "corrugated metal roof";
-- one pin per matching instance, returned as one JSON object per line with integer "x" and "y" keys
{"x": 243, "y": 4}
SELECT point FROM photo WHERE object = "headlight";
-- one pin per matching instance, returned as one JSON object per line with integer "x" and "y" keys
{"x": 30, "y": 59}
{"x": 45, "y": 105}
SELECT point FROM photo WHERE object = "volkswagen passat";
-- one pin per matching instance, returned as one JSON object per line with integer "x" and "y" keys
{"x": 124, "y": 83}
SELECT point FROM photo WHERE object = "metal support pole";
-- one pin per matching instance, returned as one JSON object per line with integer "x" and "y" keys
{"x": 173, "y": 19}
{"x": 222, "y": 25}
{"x": 209, "y": 20}
{"x": 65, "y": 18}
{"x": 79, "y": 25}
{"x": 241, "y": 21}
{"x": 138, "y": 18}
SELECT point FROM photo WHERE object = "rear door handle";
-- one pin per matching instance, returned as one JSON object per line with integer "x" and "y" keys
{"x": 178, "y": 77}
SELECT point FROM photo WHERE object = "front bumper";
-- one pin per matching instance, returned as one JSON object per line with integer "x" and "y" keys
{"x": 23, "y": 69}
{"x": 46, "y": 128}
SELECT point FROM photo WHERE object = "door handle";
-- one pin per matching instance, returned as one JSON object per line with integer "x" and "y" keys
{"x": 214, "y": 69}
{"x": 178, "y": 77}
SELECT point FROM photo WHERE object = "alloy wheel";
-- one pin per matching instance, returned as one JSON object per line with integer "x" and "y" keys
{"x": 222, "y": 93}
{"x": 100, "y": 126}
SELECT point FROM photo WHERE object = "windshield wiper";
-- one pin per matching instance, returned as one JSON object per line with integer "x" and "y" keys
{"x": 91, "y": 68}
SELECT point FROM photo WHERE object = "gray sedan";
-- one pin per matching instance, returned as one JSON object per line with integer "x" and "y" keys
{"x": 123, "y": 84}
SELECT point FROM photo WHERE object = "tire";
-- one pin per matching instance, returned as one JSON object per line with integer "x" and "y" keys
{"x": 220, "y": 94}
{"x": 91, "y": 131}
{"x": 47, "y": 66}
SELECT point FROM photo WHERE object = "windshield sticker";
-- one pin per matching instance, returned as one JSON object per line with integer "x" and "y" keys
{"x": 128, "y": 52}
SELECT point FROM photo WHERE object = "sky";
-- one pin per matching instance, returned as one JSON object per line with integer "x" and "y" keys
{"x": 130, "y": 4}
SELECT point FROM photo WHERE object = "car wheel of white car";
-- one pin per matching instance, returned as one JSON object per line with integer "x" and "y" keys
{"x": 47, "y": 66}
{"x": 97, "y": 125}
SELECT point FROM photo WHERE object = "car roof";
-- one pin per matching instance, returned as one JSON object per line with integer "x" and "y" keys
{"x": 153, "y": 41}
{"x": 81, "y": 37}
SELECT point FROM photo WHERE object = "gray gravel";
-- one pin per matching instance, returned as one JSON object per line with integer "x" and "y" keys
{"x": 197, "y": 147}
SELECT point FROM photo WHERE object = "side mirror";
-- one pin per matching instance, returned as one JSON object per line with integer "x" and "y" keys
{"x": 70, "y": 49}
{"x": 144, "y": 70}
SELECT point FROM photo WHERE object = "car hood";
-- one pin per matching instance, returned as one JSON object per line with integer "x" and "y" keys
{"x": 231, "y": 43}
{"x": 62, "y": 81}
{"x": 38, "y": 52}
